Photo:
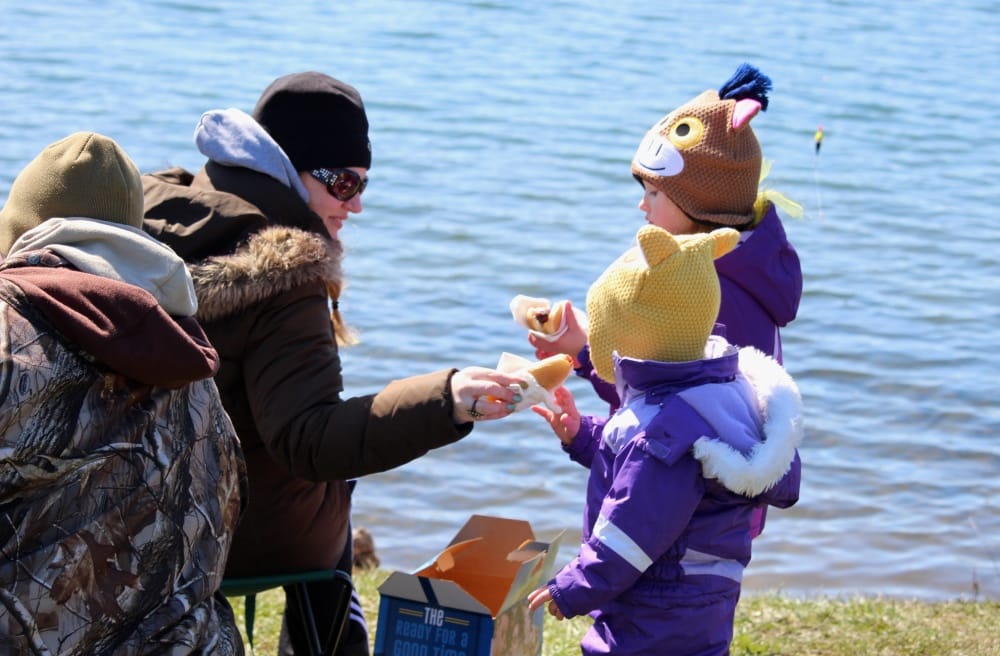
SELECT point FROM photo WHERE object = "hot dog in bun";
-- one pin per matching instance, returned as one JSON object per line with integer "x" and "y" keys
{"x": 552, "y": 371}
{"x": 547, "y": 320}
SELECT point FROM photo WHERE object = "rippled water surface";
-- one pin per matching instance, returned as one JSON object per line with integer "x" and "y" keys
{"x": 502, "y": 133}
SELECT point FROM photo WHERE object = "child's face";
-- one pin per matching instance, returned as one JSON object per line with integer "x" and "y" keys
{"x": 662, "y": 212}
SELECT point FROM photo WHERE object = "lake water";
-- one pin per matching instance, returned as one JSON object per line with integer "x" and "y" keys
{"x": 502, "y": 135}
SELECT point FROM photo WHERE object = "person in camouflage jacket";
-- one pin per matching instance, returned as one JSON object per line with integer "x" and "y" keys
{"x": 121, "y": 477}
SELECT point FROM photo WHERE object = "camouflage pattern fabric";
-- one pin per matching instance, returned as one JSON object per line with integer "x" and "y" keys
{"x": 118, "y": 503}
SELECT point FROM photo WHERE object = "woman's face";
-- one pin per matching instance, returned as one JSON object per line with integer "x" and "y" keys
{"x": 662, "y": 212}
{"x": 333, "y": 212}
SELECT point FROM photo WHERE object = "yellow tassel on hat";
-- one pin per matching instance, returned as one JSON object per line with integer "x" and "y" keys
{"x": 766, "y": 197}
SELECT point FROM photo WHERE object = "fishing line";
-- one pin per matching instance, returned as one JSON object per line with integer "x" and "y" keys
{"x": 818, "y": 138}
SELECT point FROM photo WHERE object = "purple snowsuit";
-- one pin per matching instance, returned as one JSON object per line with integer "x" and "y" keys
{"x": 761, "y": 283}
{"x": 675, "y": 474}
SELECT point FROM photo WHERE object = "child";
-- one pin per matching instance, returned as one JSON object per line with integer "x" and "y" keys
{"x": 700, "y": 168}
{"x": 705, "y": 432}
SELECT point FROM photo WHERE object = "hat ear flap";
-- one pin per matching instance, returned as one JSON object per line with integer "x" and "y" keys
{"x": 656, "y": 244}
{"x": 724, "y": 240}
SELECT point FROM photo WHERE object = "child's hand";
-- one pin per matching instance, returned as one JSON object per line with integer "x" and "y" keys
{"x": 571, "y": 342}
{"x": 565, "y": 424}
{"x": 542, "y": 596}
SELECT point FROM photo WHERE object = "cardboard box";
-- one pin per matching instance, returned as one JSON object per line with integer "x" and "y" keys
{"x": 470, "y": 599}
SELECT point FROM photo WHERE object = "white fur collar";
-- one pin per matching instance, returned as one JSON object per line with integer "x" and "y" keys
{"x": 781, "y": 405}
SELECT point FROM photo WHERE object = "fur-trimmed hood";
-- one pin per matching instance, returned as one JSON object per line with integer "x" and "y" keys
{"x": 245, "y": 236}
{"x": 780, "y": 404}
{"x": 273, "y": 261}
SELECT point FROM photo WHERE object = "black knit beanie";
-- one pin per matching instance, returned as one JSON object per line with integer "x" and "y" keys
{"x": 317, "y": 120}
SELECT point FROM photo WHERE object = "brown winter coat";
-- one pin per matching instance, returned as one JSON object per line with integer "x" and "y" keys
{"x": 260, "y": 260}
{"x": 118, "y": 498}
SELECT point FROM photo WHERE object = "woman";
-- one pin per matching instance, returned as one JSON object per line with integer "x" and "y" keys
{"x": 258, "y": 227}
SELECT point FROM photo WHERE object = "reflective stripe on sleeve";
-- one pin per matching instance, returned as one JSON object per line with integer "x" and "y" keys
{"x": 619, "y": 542}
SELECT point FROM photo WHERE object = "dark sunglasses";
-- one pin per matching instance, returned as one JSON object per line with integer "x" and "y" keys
{"x": 342, "y": 184}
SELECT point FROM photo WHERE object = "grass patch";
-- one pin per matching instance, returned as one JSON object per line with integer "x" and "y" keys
{"x": 766, "y": 625}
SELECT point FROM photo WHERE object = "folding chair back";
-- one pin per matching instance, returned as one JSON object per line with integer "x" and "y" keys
{"x": 296, "y": 583}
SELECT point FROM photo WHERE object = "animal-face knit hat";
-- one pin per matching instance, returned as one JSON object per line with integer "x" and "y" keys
{"x": 319, "y": 121}
{"x": 659, "y": 300}
{"x": 83, "y": 175}
{"x": 705, "y": 156}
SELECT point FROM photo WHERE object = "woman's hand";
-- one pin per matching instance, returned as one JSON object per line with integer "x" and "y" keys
{"x": 565, "y": 424}
{"x": 542, "y": 596}
{"x": 571, "y": 342}
{"x": 482, "y": 394}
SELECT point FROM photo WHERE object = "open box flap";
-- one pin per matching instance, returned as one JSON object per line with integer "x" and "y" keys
{"x": 537, "y": 563}
{"x": 446, "y": 560}
{"x": 490, "y": 564}
{"x": 504, "y": 533}
{"x": 482, "y": 546}
{"x": 477, "y": 560}
{"x": 527, "y": 550}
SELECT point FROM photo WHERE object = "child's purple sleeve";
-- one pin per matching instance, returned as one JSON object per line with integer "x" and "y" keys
{"x": 584, "y": 446}
{"x": 785, "y": 492}
{"x": 605, "y": 390}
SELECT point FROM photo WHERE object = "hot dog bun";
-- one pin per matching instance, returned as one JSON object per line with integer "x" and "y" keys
{"x": 546, "y": 320}
{"x": 552, "y": 371}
